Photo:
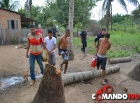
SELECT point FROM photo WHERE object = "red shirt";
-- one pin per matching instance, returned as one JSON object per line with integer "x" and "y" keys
{"x": 41, "y": 32}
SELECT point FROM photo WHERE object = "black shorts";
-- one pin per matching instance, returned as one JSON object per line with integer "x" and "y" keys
{"x": 102, "y": 62}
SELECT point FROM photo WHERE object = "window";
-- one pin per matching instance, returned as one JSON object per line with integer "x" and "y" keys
{"x": 12, "y": 24}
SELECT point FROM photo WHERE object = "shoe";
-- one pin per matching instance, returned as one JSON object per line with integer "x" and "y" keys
{"x": 32, "y": 82}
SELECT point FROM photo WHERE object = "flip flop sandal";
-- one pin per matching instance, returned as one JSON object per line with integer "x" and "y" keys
{"x": 103, "y": 83}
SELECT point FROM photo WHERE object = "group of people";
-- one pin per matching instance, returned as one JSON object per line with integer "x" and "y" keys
{"x": 36, "y": 39}
{"x": 102, "y": 44}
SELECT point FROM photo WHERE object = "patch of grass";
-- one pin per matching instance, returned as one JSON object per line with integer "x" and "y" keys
{"x": 123, "y": 44}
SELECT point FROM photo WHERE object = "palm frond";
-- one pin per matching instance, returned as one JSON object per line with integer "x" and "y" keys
{"x": 134, "y": 2}
{"x": 123, "y": 4}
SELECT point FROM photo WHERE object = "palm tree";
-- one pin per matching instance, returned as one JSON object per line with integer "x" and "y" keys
{"x": 71, "y": 16}
{"x": 136, "y": 16}
{"x": 107, "y": 8}
{"x": 9, "y": 4}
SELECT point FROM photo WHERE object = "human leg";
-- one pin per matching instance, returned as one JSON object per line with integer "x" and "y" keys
{"x": 103, "y": 67}
{"x": 31, "y": 62}
{"x": 39, "y": 61}
{"x": 66, "y": 66}
{"x": 53, "y": 59}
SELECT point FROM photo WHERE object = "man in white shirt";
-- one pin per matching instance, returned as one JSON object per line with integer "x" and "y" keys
{"x": 50, "y": 42}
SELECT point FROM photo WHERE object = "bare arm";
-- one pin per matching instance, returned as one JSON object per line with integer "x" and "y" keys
{"x": 28, "y": 47}
{"x": 44, "y": 46}
{"x": 109, "y": 46}
{"x": 59, "y": 43}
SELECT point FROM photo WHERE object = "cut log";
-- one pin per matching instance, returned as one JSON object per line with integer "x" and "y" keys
{"x": 50, "y": 89}
{"x": 135, "y": 73}
{"x": 120, "y": 60}
{"x": 80, "y": 76}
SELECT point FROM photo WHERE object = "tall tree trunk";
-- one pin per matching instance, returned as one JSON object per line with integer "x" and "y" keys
{"x": 71, "y": 17}
{"x": 111, "y": 18}
{"x": 51, "y": 89}
{"x": 107, "y": 17}
{"x": 30, "y": 3}
{"x": 135, "y": 73}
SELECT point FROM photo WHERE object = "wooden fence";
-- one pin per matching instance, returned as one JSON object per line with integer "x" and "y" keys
{"x": 14, "y": 36}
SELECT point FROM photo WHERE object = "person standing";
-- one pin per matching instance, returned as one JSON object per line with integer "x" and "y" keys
{"x": 103, "y": 47}
{"x": 101, "y": 35}
{"x": 62, "y": 49}
{"x": 34, "y": 42}
{"x": 83, "y": 37}
{"x": 40, "y": 31}
{"x": 54, "y": 31}
{"x": 50, "y": 42}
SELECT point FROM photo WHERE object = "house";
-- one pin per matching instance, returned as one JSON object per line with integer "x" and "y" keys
{"x": 10, "y": 27}
{"x": 11, "y": 19}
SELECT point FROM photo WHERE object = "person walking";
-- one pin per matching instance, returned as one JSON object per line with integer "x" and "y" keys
{"x": 63, "y": 51}
{"x": 50, "y": 42}
{"x": 34, "y": 42}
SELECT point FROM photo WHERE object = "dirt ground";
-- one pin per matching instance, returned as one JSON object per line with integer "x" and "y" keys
{"x": 13, "y": 62}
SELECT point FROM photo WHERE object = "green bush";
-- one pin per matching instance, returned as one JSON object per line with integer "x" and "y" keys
{"x": 123, "y": 44}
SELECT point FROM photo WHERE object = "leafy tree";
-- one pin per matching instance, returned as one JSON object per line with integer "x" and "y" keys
{"x": 107, "y": 7}
{"x": 9, "y": 4}
{"x": 136, "y": 15}
{"x": 60, "y": 10}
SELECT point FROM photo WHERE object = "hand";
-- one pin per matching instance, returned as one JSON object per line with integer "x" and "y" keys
{"x": 49, "y": 52}
{"x": 27, "y": 55}
{"x": 59, "y": 53}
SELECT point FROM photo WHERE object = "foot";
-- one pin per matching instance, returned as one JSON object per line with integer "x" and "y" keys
{"x": 103, "y": 82}
{"x": 97, "y": 68}
{"x": 32, "y": 82}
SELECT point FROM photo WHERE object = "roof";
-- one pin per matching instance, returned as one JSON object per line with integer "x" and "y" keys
{"x": 23, "y": 18}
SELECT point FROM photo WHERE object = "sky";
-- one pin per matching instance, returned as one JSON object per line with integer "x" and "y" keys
{"x": 96, "y": 14}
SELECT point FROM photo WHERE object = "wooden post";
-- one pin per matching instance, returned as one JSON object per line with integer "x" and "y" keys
{"x": 51, "y": 88}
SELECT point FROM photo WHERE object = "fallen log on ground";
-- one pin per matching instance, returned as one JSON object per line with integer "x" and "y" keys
{"x": 120, "y": 60}
{"x": 51, "y": 88}
{"x": 135, "y": 73}
{"x": 80, "y": 76}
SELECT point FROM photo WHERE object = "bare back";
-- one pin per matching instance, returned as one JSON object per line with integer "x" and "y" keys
{"x": 63, "y": 43}
{"x": 104, "y": 46}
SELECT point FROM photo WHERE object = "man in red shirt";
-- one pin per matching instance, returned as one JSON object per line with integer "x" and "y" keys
{"x": 34, "y": 42}
{"x": 40, "y": 31}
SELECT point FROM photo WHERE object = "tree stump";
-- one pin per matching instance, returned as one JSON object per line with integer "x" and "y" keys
{"x": 51, "y": 89}
{"x": 135, "y": 73}
{"x": 120, "y": 60}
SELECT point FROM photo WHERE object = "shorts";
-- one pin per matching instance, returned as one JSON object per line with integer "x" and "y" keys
{"x": 64, "y": 54}
{"x": 52, "y": 60}
{"x": 102, "y": 62}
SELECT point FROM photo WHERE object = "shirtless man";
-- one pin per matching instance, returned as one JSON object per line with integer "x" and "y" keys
{"x": 104, "y": 45}
{"x": 62, "y": 49}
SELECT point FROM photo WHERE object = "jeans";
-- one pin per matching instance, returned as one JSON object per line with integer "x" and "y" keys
{"x": 84, "y": 45}
{"x": 32, "y": 59}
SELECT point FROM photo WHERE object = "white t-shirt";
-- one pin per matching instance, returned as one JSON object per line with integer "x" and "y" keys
{"x": 50, "y": 43}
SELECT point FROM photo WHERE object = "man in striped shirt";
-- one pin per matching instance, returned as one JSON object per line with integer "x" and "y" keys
{"x": 34, "y": 42}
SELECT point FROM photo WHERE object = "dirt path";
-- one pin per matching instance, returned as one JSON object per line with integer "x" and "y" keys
{"x": 13, "y": 62}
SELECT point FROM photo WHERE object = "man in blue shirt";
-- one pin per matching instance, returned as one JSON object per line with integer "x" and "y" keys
{"x": 83, "y": 37}
{"x": 101, "y": 35}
